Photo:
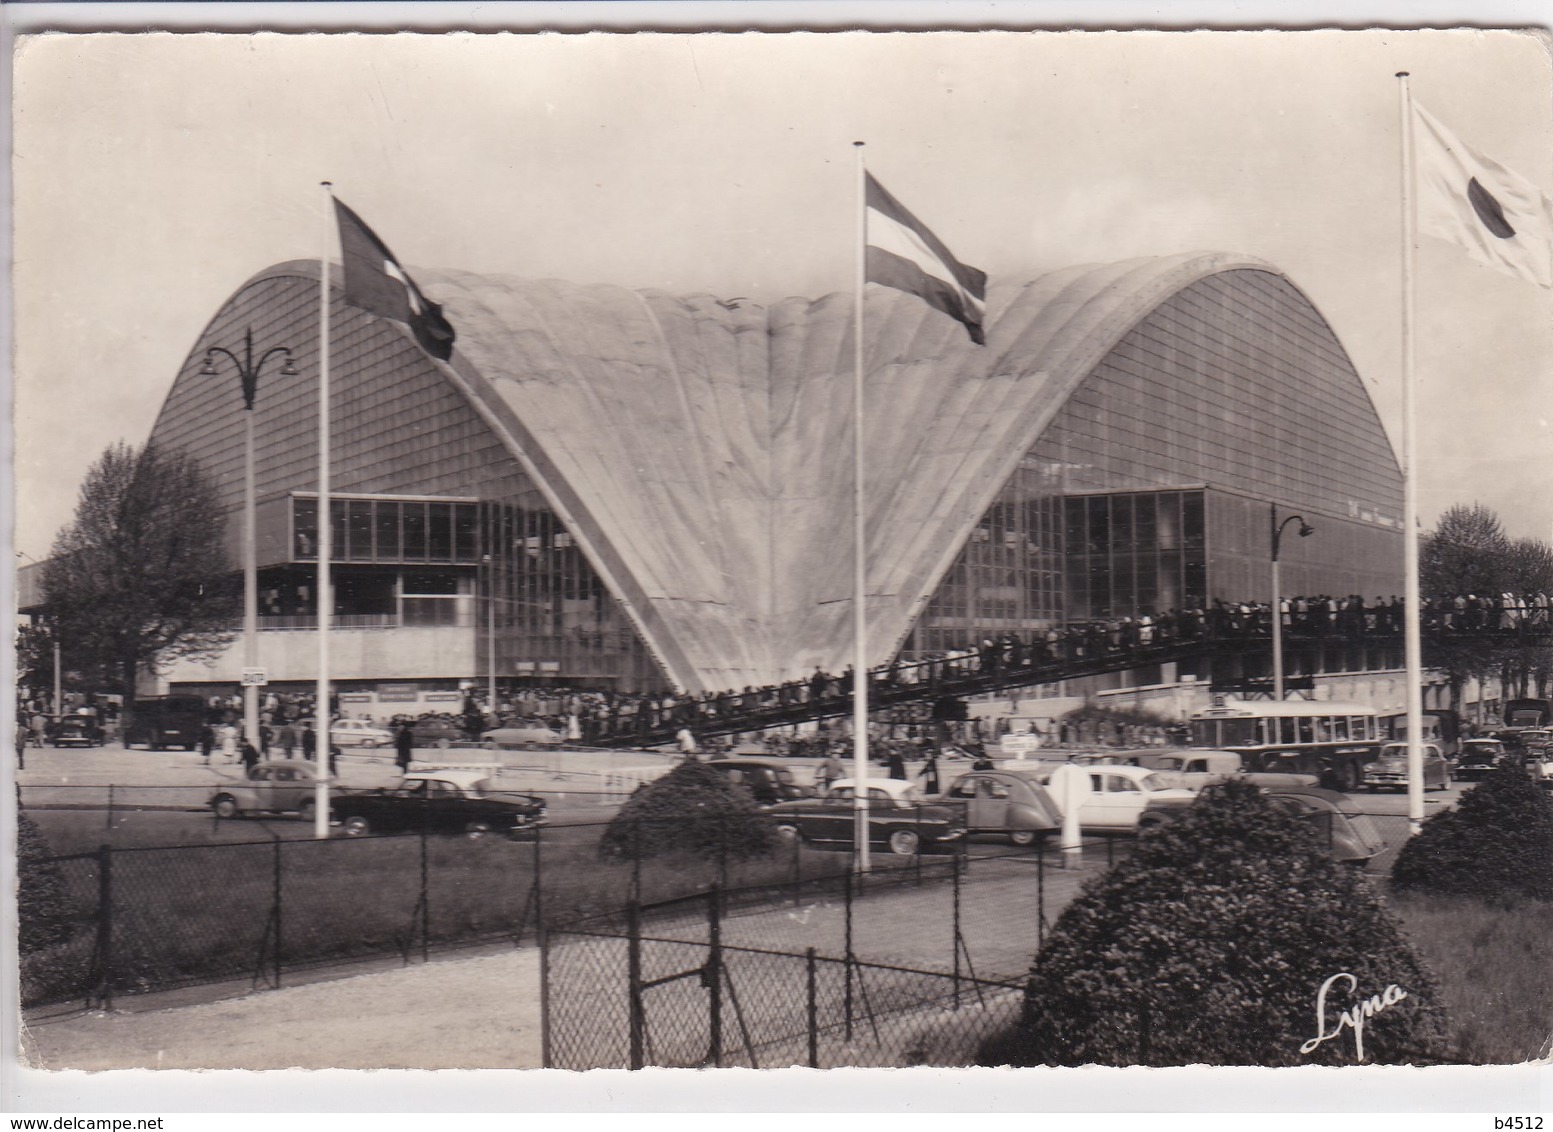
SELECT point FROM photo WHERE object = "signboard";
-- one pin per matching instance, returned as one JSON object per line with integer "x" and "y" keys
{"x": 1019, "y": 746}
{"x": 255, "y": 678}
{"x": 524, "y": 666}
{"x": 398, "y": 693}
{"x": 550, "y": 666}
{"x": 355, "y": 698}
{"x": 441, "y": 697}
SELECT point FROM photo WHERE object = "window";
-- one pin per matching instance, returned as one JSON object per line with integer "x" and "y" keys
{"x": 1116, "y": 784}
{"x": 997, "y": 789}
{"x": 439, "y": 532}
{"x": 387, "y": 524}
{"x": 965, "y": 788}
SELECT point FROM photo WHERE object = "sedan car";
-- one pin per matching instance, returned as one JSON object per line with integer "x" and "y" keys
{"x": 437, "y": 801}
{"x": 1117, "y": 794}
{"x": 439, "y": 733}
{"x": 899, "y": 819}
{"x": 520, "y": 738}
{"x": 359, "y": 733}
{"x": 1011, "y": 801}
{"x": 769, "y": 780}
{"x": 1389, "y": 770}
{"x": 75, "y": 731}
{"x": 1477, "y": 758}
{"x": 1349, "y": 834}
{"x": 282, "y": 786}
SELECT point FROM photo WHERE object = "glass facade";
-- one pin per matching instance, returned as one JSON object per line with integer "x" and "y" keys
{"x": 389, "y": 530}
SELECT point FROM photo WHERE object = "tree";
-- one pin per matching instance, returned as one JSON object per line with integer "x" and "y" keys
{"x": 141, "y": 577}
{"x": 1465, "y": 553}
{"x": 1211, "y": 945}
{"x": 692, "y": 810}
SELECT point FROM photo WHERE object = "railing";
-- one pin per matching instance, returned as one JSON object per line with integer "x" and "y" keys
{"x": 293, "y": 621}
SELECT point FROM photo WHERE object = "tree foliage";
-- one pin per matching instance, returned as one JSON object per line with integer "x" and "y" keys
{"x": 693, "y": 810}
{"x": 1210, "y": 945}
{"x": 1496, "y": 842}
{"x": 141, "y": 577}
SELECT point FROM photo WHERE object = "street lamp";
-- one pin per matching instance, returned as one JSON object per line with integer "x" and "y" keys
{"x": 248, "y": 372}
{"x": 490, "y": 635}
{"x": 1306, "y": 530}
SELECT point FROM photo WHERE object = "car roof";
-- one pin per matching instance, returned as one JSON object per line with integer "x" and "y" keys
{"x": 462, "y": 777}
{"x": 893, "y": 786}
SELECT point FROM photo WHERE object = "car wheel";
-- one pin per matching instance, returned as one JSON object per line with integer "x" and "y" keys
{"x": 356, "y": 827}
{"x": 475, "y": 830}
{"x": 787, "y": 832}
{"x": 444, "y": 744}
{"x": 904, "y": 842}
{"x": 1022, "y": 836}
{"x": 489, "y": 744}
{"x": 224, "y": 806}
{"x": 307, "y": 811}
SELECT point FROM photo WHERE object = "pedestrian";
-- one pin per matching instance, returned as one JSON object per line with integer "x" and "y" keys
{"x": 228, "y": 738}
{"x": 23, "y": 735}
{"x": 896, "y": 764}
{"x": 829, "y": 771}
{"x": 207, "y": 742}
{"x": 250, "y": 758}
{"x": 286, "y": 738}
{"x": 404, "y": 746}
{"x": 687, "y": 743}
{"x": 929, "y": 774}
{"x": 334, "y": 761}
{"x": 309, "y": 743}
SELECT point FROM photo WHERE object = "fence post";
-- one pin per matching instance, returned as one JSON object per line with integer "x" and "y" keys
{"x": 847, "y": 998}
{"x": 814, "y": 1026}
{"x": 425, "y": 904}
{"x": 278, "y": 921}
{"x": 105, "y": 925}
{"x": 545, "y": 1059}
{"x": 714, "y": 975}
{"x": 1040, "y": 896}
{"x": 954, "y": 941}
{"x": 634, "y": 980}
{"x": 110, "y": 807}
{"x": 722, "y": 851}
{"x": 797, "y": 871}
{"x": 636, "y": 861}
{"x": 539, "y": 880}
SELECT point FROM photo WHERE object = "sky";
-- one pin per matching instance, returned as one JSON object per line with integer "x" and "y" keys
{"x": 154, "y": 173}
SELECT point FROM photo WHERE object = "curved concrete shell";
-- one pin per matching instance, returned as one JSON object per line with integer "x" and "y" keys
{"x": 700, "y": 452}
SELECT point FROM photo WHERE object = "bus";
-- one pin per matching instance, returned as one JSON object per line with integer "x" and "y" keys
{"x": 162, "y": 722}
{"x": 1329, "y": 739}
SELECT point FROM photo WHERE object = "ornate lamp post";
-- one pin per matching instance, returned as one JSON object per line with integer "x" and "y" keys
{"x": 248, "y": 371}
{"x": 1306, "y": 530}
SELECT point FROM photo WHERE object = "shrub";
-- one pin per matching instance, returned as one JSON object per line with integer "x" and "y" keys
{"x": 693, "y": 810}
{"x": 42, "y": 900}
{"x": 1496, "y": 843}
{"x": 1210, "y": 944}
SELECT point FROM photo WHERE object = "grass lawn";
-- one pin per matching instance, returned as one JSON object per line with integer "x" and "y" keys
{"x": 1494, "y": 969}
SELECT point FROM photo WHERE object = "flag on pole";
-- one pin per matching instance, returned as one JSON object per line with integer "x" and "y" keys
{"x": 904, "y": 254}
{"x": 1500, "y": 218}
{"x": 376, "y": 283}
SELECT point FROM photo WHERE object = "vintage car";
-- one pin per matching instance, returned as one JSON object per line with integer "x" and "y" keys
{"x": 1010, "y": 801}
{"x": 1350, "y": 834}
{"x": 899, "y": 818}
{"x": 281, "y": 786}
{"x": 1477, "y": 758}
{"x": 769, "y": 780}
{"x": 1117, "y": 795}
{"x": 437, "y": 801}
{"x": 1389, "y": 770}
{"x": 359, "y": 733}
{"x": 1541, "y": 767}
{"x": 74, "y": 731}
{"x": 520, "y": 738}
{"x": 1536, "y": 740}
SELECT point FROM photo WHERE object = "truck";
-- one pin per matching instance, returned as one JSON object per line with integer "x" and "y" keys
{"x": 160, "y": 723}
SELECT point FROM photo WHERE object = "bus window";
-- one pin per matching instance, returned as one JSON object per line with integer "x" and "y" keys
{"x": 1363, "y": 727}
{"x": 1238, "y": 733}
{"x": 1323, "y": 725}
{"x": 1286, "y": 731}
{"x": 1307, "y": 730}
{"x": 1340, "y": 727}
{"x": 1205, "y": 733}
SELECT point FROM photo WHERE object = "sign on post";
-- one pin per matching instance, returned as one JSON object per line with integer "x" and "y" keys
{"x": 255, "y": 678}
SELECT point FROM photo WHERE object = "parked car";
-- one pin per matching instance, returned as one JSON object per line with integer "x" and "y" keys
{"x": 1536, "y": 740}
{"x": 359, "y": 733}
{"x": 1477, "y": 758}
{"x": 282, "y": 786}
{"x": 438, "y": 801}
{"x": 769, "y": 780}
{"x": 1350, "y": 834}
{"x": 520, "y": 738}
{"x": 899, "y": 818}
{"x": 1118, "y": 794}
{"x": 163, "y": 722}
{"x": 1542, "y": 769}
{"x": 1390, "y": 769}
{"x": 74, "y": 731}
{"x": 1011, "y": 801}
{"x": 439, "y": 733}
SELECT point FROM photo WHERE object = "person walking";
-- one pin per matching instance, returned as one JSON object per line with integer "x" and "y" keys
{"x": 687, "y": 743}
{"x": 229, "y": 742}
{"x": 207, "y": 742}
{"x": 404, "y": 747}
{"x": 896, "y": 764}
{"x": 309, "y": 744}
{"x": 829, "y": 771}
{"x": 286, "y": 738}
{"x": 250, "y": 758}
{"x": 929, "y": 774}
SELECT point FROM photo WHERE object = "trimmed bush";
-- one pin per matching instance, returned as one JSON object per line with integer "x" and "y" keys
{"x": 1497, "y": 842}
{"x": 42, "y": 901}
{"x": 1210, "y": 945}
{"x": 693, "y": 810}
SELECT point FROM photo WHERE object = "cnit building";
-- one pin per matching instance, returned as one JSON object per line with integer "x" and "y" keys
{"x": 633, "y": 490}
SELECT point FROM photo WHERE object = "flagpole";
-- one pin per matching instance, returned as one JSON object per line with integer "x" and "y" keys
{"x": 859, "y": 538}
{"x": 1411, "y": 613}
{"x": 323, "y": 718}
